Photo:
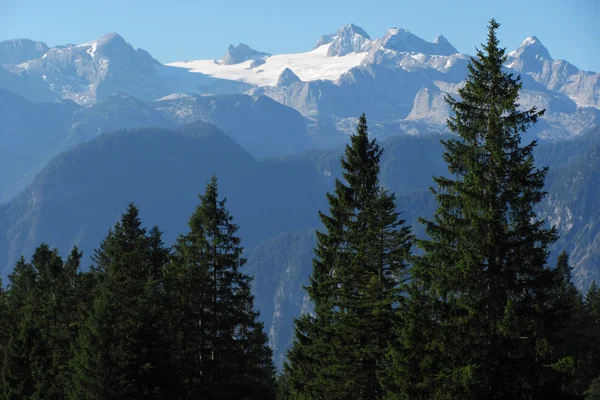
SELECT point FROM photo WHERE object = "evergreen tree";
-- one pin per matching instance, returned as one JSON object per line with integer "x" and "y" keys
{"x": 220, "y": 349}
{"x": 47, "y": 310}
{"x": 591, "y": 332}
{"x": 567, "y": 307}
{"x": 119, "y": 350}
{"x": 482, "y": 288}
{"x": 66, "y": 305}
{"x": 4, "y": 328}
{"x": 17, "y": 379}
{"x": 358, "y": 272}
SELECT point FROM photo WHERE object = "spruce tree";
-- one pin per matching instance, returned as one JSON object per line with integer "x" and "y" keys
{"x": 591, "y": 329}
{"x": 17, "y": 380}
{"x": 49, "y": 309}
{"x": 220, "y": 349}
{"x": 4, "y": 327}
{"x": 566, "y": 313}
{"x": 358, "y": 273}
{"x": 482, "y": 287}
{"x": 119, "y": 350}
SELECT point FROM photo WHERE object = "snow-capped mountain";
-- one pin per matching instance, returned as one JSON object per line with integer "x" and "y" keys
{"x": 398, "y": 80}
{"x": 20, "y": 50}
{"x": 86, "y": 73}
{"x": 349, "y": 39}
{"x": 533, "y": 59}
{"x": 404, "y": 41}
{"x": 310, "y": 66}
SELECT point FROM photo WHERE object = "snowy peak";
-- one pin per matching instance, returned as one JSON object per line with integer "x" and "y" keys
{"x": 18, "y": 51}
{"x": 113, "y": 46}
{"x": 108, "y": 41}
{"x": 530, "y": 57}
{"x": 444, "y": 44}
{"x": 92, "y": 71}
{"x": 240, "y": 53}
{"x": 287, "y": 78}
{"x": 325, "y": 39}
{"x": 532, "y": 48}
{"x": 399, "y": 39}
{"x": 113, "y": 38}
{"x": 349, "y": 39}
{"x": 354, "y": 30}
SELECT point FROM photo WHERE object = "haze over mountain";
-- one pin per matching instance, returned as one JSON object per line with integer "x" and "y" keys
{"x": 81, "y": 193}
{"x": 271, "y": 127}
{"x": 32, "y": 133}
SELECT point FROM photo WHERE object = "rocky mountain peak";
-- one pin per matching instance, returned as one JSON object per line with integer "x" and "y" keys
{"x": 18, "y": 51}
{"x": 287, "y": 77}
{"x": 402, "y": 40}
{"x": 532, "y": 48}
{"x": 240, "y": 53}
{"x": 349, "y": 39}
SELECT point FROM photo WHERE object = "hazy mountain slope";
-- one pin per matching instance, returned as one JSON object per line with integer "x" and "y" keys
{"x": 35, "y": 132}
{"x": 260, "y": 125}
{"x": 573, "y": 205}
{"x": 81, "y": 192}
{"x": 278, "y": 280}
{"x": 32, "y": 133}
{"x": 18, "y": 51}
{"x": 29, "y": 134}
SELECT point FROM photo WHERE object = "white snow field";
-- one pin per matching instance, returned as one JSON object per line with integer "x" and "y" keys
{"x": 309, "y": 66}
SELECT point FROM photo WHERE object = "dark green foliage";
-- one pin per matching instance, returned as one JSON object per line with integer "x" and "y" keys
{"x": 593, "y": 392}
{"x": 39, "y": 310}
{"x": 4, "y": 328}
{"x": 220, "y": 348}
{"x": 17, "y": 381}
{"x": 571, "y": 349}
{"x": 591, "y": 333}
{"x": 140, "y": 324}
{"x": 129, "y": 328}
{"x": 358, "y": 271}
{"x": 479, "y": 305}
{"x": 53, "y": 312}
{"x": 119, "y": 353}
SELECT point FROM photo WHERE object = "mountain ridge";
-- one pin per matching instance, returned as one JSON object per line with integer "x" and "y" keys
{"x": 412, "y": 75}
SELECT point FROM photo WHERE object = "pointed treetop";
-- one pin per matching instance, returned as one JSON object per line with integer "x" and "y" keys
{"x": 562, "y": 267}
{"x": 130, "y": 220}
{"x": 212, "y": 187}
{"x": 361, "y": 162}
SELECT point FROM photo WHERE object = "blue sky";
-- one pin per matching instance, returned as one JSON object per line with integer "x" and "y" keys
{"x": 192, "y": 29}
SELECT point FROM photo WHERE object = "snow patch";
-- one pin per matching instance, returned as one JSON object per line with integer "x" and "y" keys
{"x": 309, "y": 66}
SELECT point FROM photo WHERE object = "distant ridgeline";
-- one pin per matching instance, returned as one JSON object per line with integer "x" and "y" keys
{"x": 370, "y": 284}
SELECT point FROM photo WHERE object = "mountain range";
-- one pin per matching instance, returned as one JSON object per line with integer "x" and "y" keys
{"x": 87, "y": 128}
{"x": 399, "y": 80}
